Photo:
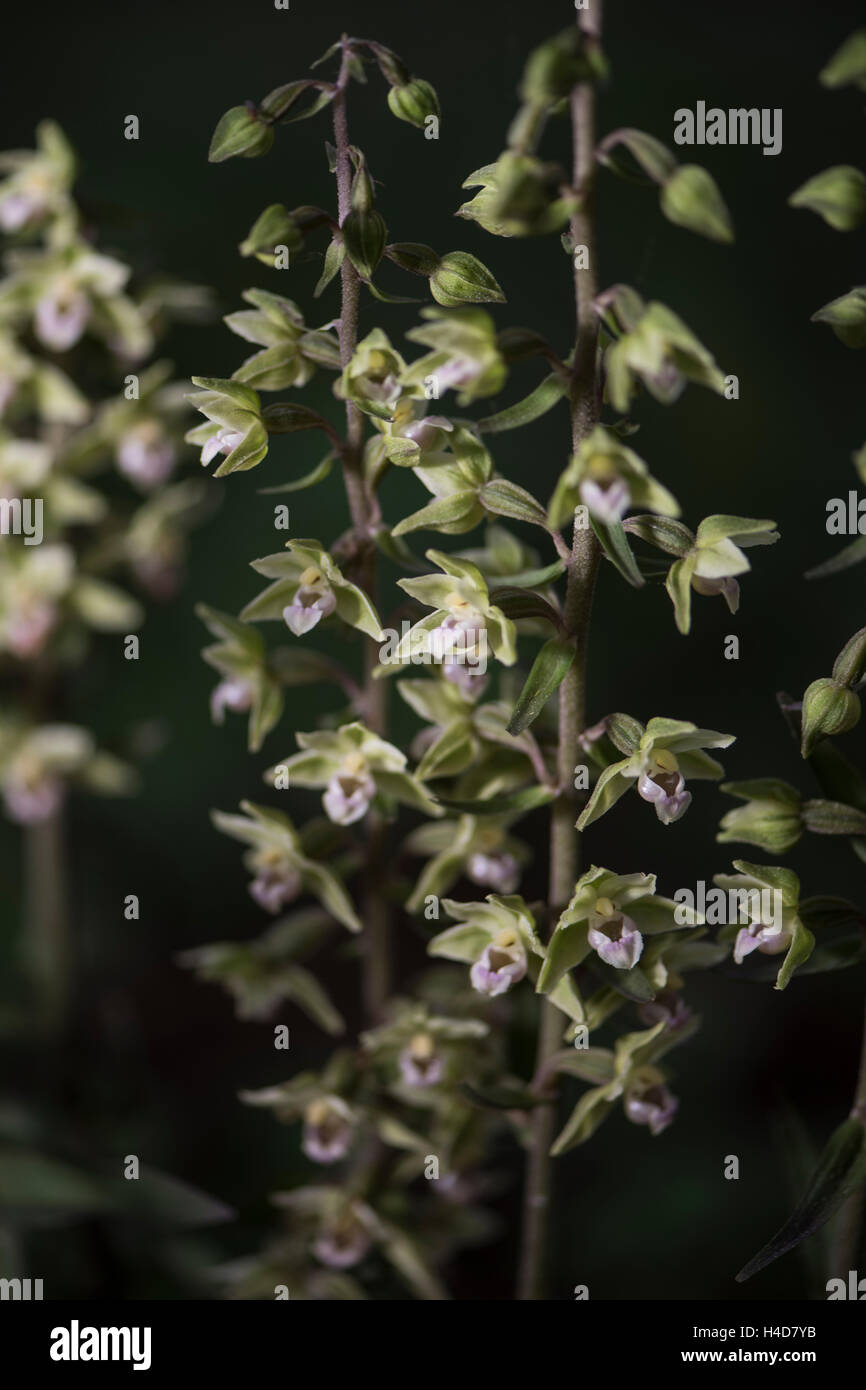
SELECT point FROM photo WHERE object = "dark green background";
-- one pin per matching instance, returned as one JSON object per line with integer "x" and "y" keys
{"x": 155, "y": 1059}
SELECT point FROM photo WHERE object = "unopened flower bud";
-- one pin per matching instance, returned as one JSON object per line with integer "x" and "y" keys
{"x": 828, "y": 708}
{"x": 414, "y": 102}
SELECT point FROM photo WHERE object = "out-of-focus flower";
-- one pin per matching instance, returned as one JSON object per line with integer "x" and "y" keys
{"x": 329, "y": 1130}
{"x": 648, "y": 1101}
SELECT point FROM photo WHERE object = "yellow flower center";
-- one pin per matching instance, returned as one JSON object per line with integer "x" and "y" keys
{"x": 666, "y": 760}
{"x": 506, "y": 938}
{"x": 311, "y": 575}
{"x": 605, "y": 907}
{"x": 421, "y": 1047}
{"x": 353, "y": 763}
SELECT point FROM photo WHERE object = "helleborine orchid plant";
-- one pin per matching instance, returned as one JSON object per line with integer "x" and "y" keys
{"x": 501, "y": 630}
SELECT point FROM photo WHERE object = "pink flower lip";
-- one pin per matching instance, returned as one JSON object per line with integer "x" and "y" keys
{"x": 498, "y": 968}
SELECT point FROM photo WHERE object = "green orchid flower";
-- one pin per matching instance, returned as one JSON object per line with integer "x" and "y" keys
{"x": 478, "y": 847}
{"x": 654, "y": 347}
{"x": 610, "y": 914}
{"x": 768, "y": 900}
{"x": 520, "y": 196}
{"x": 309, "y": 586}
{"x": 38, "y": 764}
{"x": 38, "y": 183}
{"x": 772, "y": 817}
{"x": 353, "y": 765}
{"x": 234, "y": 425}
{"x": 247, "y": 684}
{"x": 427, "y": 1048}
{"x": 464, "y": 356}
{"x": 290, "y": 351}
{"x": 463, "y": 623}
{"x": 708, "y": 561}
{"x": 374, "y": 377}
{"x": 280, "y": 868}
{"x": 629, "y": 1076}
{"x": 659, "y": 759}
{"x": 498, "y": 939}
{"x": 608, "y": 479}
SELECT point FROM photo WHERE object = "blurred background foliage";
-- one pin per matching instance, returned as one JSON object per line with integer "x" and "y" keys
{"x": 153, "y": 1060}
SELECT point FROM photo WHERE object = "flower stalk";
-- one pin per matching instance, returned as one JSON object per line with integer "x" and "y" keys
{"x": 362, "y": 507}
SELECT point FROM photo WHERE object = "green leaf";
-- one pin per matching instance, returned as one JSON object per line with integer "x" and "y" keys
{"x": 631, "y": 984}
{"x": 549, "y": 670}
{"x": 316, "y": 475}
{"x": 613, "y": 542}
{"x": 334, "y": 257}
{"x": 507, "y": 1094}
{"x": 285, "y": 417}
{"x": 536, "y": 579}
{"x": 841, "y": 1171}
{"x": 443, "y": 514}
{"x": 517, "y": 603}
{"x": 833, "y": 818}
{"x": 526, "y": 800}
{"x": 35, "y": 1188}
{"x": 545, "y": 396}
{"x": 849, "y": 555}
{"x": 504, "y": 498}
{"x": 303, "y": 989}
{"x": 652, "y": 158}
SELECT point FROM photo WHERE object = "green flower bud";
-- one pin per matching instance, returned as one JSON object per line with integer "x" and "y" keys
{"x": 770, "y": 819}
{"x": 691, "y": 199}
{"x": 848, "y": 64}
{"x": 846, "y": 316}
{"x": 241, "y": 131}
{"x": 365, "y": 235}
{"x": 828, "y": 708}
{"x": 838, "y": 195}
{"x": 275, "y": 227}
{"x": 413, "y": 256}
{"x": 558, "y": 65}
{"x": 461, "y": 279}
{"x": 850, "y": 665}
{"x": 414, "y": 102}
{"x": 518, "y": 197}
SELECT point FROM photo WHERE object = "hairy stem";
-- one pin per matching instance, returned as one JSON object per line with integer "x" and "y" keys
{"x": 375, "y": 985}
{"x": 845, "y": 1247}
{"x": 582, "y": 568}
